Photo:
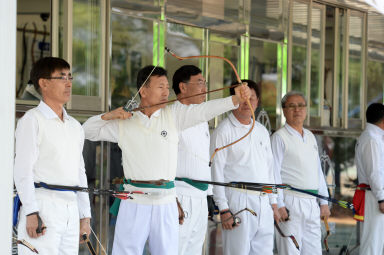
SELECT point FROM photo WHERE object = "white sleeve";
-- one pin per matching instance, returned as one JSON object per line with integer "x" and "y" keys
{"x": 26, "y": 156}
{"x": 323, "y": 189}
{"x": 190, "y": 115}
{"x": 83, "y": 197}
{"x": 218, "y": 165}
{"x": 373, "y": 168}
{"x": 97, "y": 129}
{"x": 278, "y": 149}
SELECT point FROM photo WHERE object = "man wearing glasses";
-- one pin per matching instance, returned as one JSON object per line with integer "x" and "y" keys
{"x": 297, "y": 163}
{"x": 49, "y": 146}
{"x": 192, "y": 162}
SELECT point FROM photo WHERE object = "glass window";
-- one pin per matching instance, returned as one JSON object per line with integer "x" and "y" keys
{"x": 263, "y": 70}
{"x": 267, "y": 19}
{"x": 299, "y": 46}
{"x": 32, "y": 43}
{"x": 355, "y": 65}
{"x": 375, "y": 82}
{"x": 86, "y": 48}
{"x": 317, "y": 42}
{"x": 132, "y": 45}
{"x": 184, "y": 41}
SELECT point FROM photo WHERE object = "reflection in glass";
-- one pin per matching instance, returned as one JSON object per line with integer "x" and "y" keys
{"x": 355, "y": 64}
{"x": 32, "y": 43}
{"x": 375, "y": 82}
{"x": 132, "y": 40}
{"x": 299, "y": 46}
{"x": 316, "y": 41}
{"x": 86, "y": 47}
{"x": 264, "y": 71}
{"x": 184, "y": 41}
{"x": 341, "y": 151}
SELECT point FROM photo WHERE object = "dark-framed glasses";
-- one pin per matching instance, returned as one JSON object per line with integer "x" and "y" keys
{"x": 62, "y": 78}
{"x": 295, "y": 106}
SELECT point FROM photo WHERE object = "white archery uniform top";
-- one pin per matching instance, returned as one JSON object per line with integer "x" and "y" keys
{"x": 193, "y": 159}
{"x": 249, "y": 160}
{"x": 369, "y": 159}
{"x": 298, "y": 178}
{"x": 49, "y": 150}
{"x": 149, "y": 145}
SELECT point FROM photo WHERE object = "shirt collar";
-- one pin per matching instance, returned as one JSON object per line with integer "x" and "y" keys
{"x": 293, "y": 131}
{"x": 49, "y": 113}
{"x": 374, "y": 129}
{"x": 154, "y": 115}
{"x": 236, "y": 122}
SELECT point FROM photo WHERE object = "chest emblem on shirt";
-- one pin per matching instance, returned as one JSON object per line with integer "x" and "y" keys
{"x": 163, "y": 133}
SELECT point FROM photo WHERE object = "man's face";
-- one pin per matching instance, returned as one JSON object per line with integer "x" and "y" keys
{"x": 57, "y": 88}
{"x": 157, "y": 91}
{"x": 194, "y": 86}
{"x": 244, "y": 111}
{"x": 295, "y": 110}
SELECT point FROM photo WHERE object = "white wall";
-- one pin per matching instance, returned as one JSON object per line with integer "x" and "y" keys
{"x": 7, "y": 119}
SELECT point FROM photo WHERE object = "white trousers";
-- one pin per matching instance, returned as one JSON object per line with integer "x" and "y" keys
{"x": 372, "y": 240}
{"x": 192, "y": 232}
{"x": 61, "y": 217}
{"x": 255, "y": 233}
{"x": 303, "y": 224}
{"x": 137, "y": 223}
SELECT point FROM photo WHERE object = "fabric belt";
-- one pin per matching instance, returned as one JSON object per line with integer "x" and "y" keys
{"x": 303, "y": 195}
{"x": 359, "y": 201}
{"x": 197, "y": 185}
{"x": 46, "y": 186}
{"x": 157, "y": 184}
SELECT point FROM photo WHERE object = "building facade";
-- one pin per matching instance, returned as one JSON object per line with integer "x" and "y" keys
{"x": 331, "y": 50}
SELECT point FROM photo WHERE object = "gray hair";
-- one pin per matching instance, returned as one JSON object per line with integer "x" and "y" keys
{"x": 290, "y": 94}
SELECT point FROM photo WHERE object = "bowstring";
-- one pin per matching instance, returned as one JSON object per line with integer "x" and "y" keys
{"x": 102, "y": 247}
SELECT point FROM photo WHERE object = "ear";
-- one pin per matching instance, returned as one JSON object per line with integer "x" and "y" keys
{"x": 143, "y": 92}
{"x": 43, "y": 84}
{"x": 183, "y": 87}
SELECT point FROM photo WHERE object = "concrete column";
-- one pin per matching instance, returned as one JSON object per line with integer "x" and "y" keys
{"x": 7, "y": 119}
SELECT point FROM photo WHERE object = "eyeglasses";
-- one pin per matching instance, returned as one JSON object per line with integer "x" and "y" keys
{"x": 294, "y": 106}
{"x": 200, "y": 83}
{"x": 62, "y": 78}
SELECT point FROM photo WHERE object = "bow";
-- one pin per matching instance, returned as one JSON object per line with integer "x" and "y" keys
{"x": 288, "y": 236}
{"x": 88, "y": 243}
{"x": 26, "y": 244}
{"x": 236, "y": 220}
{"x": 325, "y": 219}
{"x": 238, "y": 80}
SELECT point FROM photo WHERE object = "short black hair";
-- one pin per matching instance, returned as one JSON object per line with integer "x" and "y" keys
{"x": 183, "y": 74}
{"x": 44, "y": 68}
{"x": 149, "y": 71}
{"x": 251, "y": 85}
{"x": 375, "y": 113}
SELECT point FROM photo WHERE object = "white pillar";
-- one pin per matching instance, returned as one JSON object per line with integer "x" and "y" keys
{"x": 7, "y": 119}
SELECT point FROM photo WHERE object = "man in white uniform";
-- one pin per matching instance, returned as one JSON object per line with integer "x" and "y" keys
{"x": 297, "y": 163}
{"x": 249, "y": 160}
{"x": 49, "y": 145}
{"x": 193, "y": 163}
{"x": 149, "y": 143}
{"x": 370, "y": 170}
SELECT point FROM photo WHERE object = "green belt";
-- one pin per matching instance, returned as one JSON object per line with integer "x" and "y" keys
{"x": 116, "y": 204}
{"x": 197, "y": 185}
{"x": 165, "y": 185}
{"x": 314, "y": 191}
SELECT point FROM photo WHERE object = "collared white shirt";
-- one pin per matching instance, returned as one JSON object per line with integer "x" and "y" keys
{"x": 97, "y": 129}
{"x": 147, "y": 164}
{"x": 369, "y": 159}
{"x": 249, "y": 160}
{"x": 193, "y": 159}
{"x": 278, "y": 149}
{"x": 27, "y": 154}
